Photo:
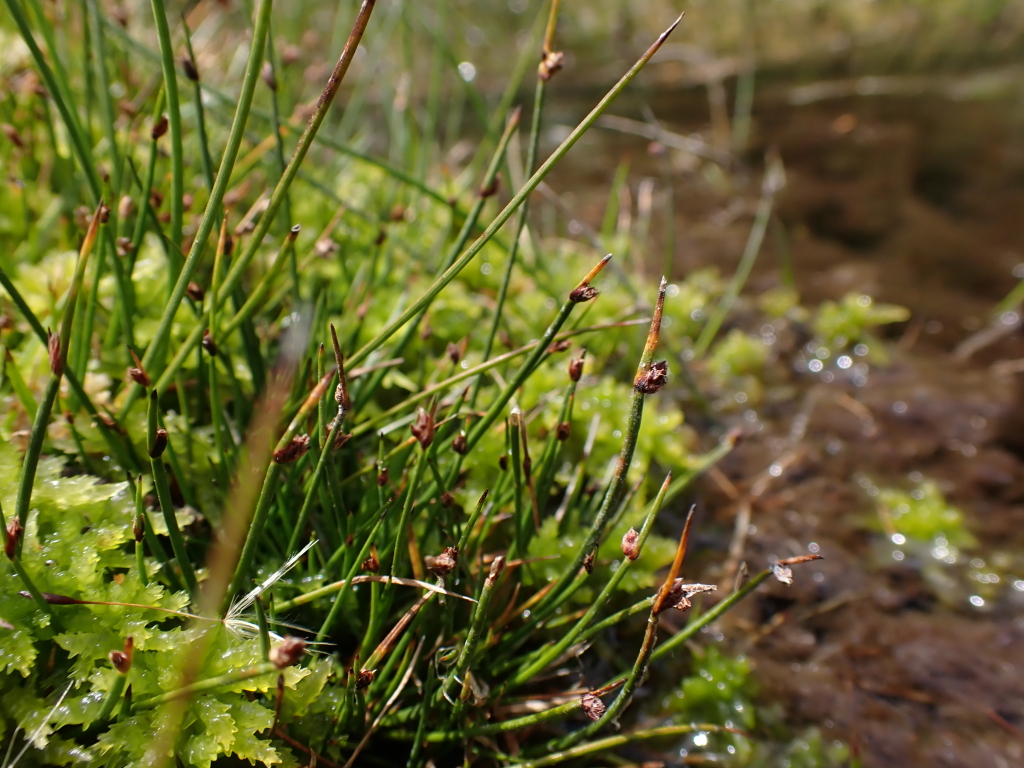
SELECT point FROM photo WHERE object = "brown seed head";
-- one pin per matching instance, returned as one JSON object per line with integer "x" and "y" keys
{"x": 583, "y": 294}
{"x": 447, "y": 500}
{"x": 155, "y": 199}
{"x": 53, "y": 347}
{"x": 139, "y": 376}
{"x": 12, "y": 135}
{"x": 588, "y": 562}
{"x": 122, "y": 660}
{"x": 459, "y": 444}
{"x": 491, "y": 189}
{"x": 398, "y": 212}
{"x": 14, "y": 531}
{"x": 382, "y": 477}
{"x": 496, "y": 568}
{"x": 550, "y": 63}
{"x": 138, "y": 527}
{"x": 209, "y": 344}
{"x": 503, "y": 462}
{"x": 292, "y": 452}
{"x": 576, "y": 368}
{"x": 371, "y": 563}
{"x": 423, "y": 428}
{"x": 593, "y": 707}
{"x": 268, "y": 76}
{"x": 454, "y": 353}
{"x": 364, "y": 678}
{"x": 444, "y": 563}
{"x": 125, "y": 208}
{"x": 195, "y": 292}
{"x": 679, "y": 595}
{"x": 631, "y": 544}
{"x": 159, "y": 129}
{"x": 287, "y": 652}
{"x": 190, "y": 68}
{"x": 159, "y": 445}
{"x": 559, "y": 346}
{"x": 104, "y": 214}
{"x": 653, "y": 379}
{"x": 124, "y": 246}
{"x": 562, "y": 431}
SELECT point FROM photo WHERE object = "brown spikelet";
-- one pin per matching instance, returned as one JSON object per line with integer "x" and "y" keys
{"x": 631, "y": 544}
{"x": 287, "y": 652}
{"x": 122, "y": 660}
{"x": 444, "y": 563}
{"x": 292, "y": 452}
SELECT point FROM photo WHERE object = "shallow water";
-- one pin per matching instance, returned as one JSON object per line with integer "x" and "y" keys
{"x": 912, "y": 653}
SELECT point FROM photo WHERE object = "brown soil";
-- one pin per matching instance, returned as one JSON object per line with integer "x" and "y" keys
{"x": 918, "y": 202}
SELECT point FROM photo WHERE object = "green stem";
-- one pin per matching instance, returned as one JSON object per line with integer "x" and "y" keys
{"x": 209, "y": 684}
{"x": 560, "y": 647}
{"x": 155, "y": 351}
{"x": 452, "y": 272}
{"x": 58, "y": 362}
{"x": 163, "y": 32}
{"x": 163, "y": 494}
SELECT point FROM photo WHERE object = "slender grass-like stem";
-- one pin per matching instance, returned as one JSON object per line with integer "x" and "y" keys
{"x": 152, "y": 360}
{"x": 163, "y": 33}
{"x": 157, "y": 440}
{"x": 649, "y": 378}
{"x": 332, "y": 615}
{"x": 209, "y": 684}
{"x": 551, "y": 654}
{"x": 457, "y": 676}
{"x": 305, "y": 140}
{"x": 506, "y": 213}
{"x": 270, "y": 484}
{"x": 58, "y": 348}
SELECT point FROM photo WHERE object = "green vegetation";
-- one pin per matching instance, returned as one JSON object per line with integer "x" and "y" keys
{"x": 322, "y": 460}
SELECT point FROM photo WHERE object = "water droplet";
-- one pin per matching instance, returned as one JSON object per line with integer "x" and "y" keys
{"x": 467, "y": 71}
{"x": 844, "y": 362}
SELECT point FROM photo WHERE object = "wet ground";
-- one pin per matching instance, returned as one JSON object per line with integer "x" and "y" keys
{"x": 911, "y": 653}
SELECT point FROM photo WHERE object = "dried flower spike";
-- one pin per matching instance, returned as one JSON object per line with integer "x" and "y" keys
{"x": 585, "y": 291}
{"x": 576, "y": 368}
{"x": 287, "y": 652}
{"x": 159, "y": 444}
{"x": 122, "y": 660}
{"x": 136, "y": 372}
{"x": 423, "y": 429}
{"x": 444, "y": 563}
{"x": 371, "y": 563}
{"x": 496, "y": 568}
{"x": 292, "y": 452}
{"x": 550, "y": 63}
{"x": 209, "y": 344}
{"x": 592, "y": 706}
{"x": 653, "y": 379}
{"x": 14, "y": 531}
{"x": 159, "y": 129}
{"x": 53, "y": 347}
{"x": 631, "y": 544}
{"x": 679, "y": 595}
{"x": 364, "y": 678}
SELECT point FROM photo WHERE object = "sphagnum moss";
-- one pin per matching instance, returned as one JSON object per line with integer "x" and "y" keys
{"x": 346, "y": 517}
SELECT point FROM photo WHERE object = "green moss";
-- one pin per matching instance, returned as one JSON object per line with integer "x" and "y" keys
{"x": 923, "y": 514}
